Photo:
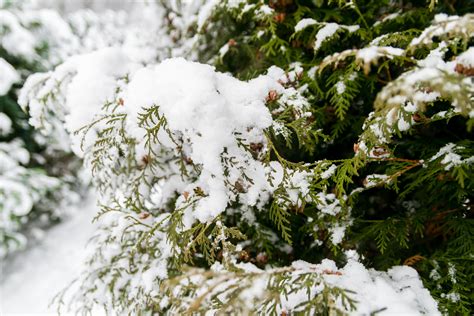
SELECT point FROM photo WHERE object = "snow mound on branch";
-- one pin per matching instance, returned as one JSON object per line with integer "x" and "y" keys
{"x": 18, "y": 41}
{"x": 467, "y": 58}
{"x": 193, "y": 97}
{"x": 304, "y": 23}
{"x": 212, "y": 113}
{"x": 329, "y": 30}
{"x": 399, "y": 291}
{"x": 326, "y": 31}
{"x": 54, "y": 30}
{"x": 5, "y": 125}
{"x": 90, "y": 81}
{"x": 207, "y": 108}
{"x": 8, "y": 76}
{"x": 95, "y": 73}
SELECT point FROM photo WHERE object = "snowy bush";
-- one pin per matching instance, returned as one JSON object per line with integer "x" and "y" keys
{"x": 32, "y": 190}
{"x": 327, "y": 134}
{"x": 28, "y": 191}
{"x": 34, "y": 40}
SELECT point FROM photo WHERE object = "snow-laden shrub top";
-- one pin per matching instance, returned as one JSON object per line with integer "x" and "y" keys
{"x": 183, "y": 140}
{"x": 213, "y": 123}
{"x": 221, "y": 192}
{"x": 211, "y": 120}
{"x": 37, "y": 40}
{"x": 29, "y": 192}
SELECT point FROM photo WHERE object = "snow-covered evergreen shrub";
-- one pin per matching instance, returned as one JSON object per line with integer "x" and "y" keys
{"x": 32, "y": 190}
{"x": 340, "y": 136}
{"x": 33, "y": 40}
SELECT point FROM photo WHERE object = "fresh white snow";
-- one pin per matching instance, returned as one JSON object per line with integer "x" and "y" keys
{"x": 30, "y": 279}
{"x": 5, "y": 125}
{"x": 467, "y": 58}
{"x": 304, "y": 23}
{"x": 327, "y": 31}
{"x": 8, "y": 76}
{"x": 209, "y": 114}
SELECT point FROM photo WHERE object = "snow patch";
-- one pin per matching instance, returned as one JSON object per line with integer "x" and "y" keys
{"x": 304, "y": 23}
{"x": 8, "y": 76}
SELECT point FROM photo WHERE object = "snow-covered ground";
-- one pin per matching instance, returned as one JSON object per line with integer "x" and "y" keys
{"x": 29, "y": 280}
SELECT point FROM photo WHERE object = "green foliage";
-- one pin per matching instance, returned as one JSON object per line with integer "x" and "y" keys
{"x": 402, "y": 215}
{"x": 370, "y": 149}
